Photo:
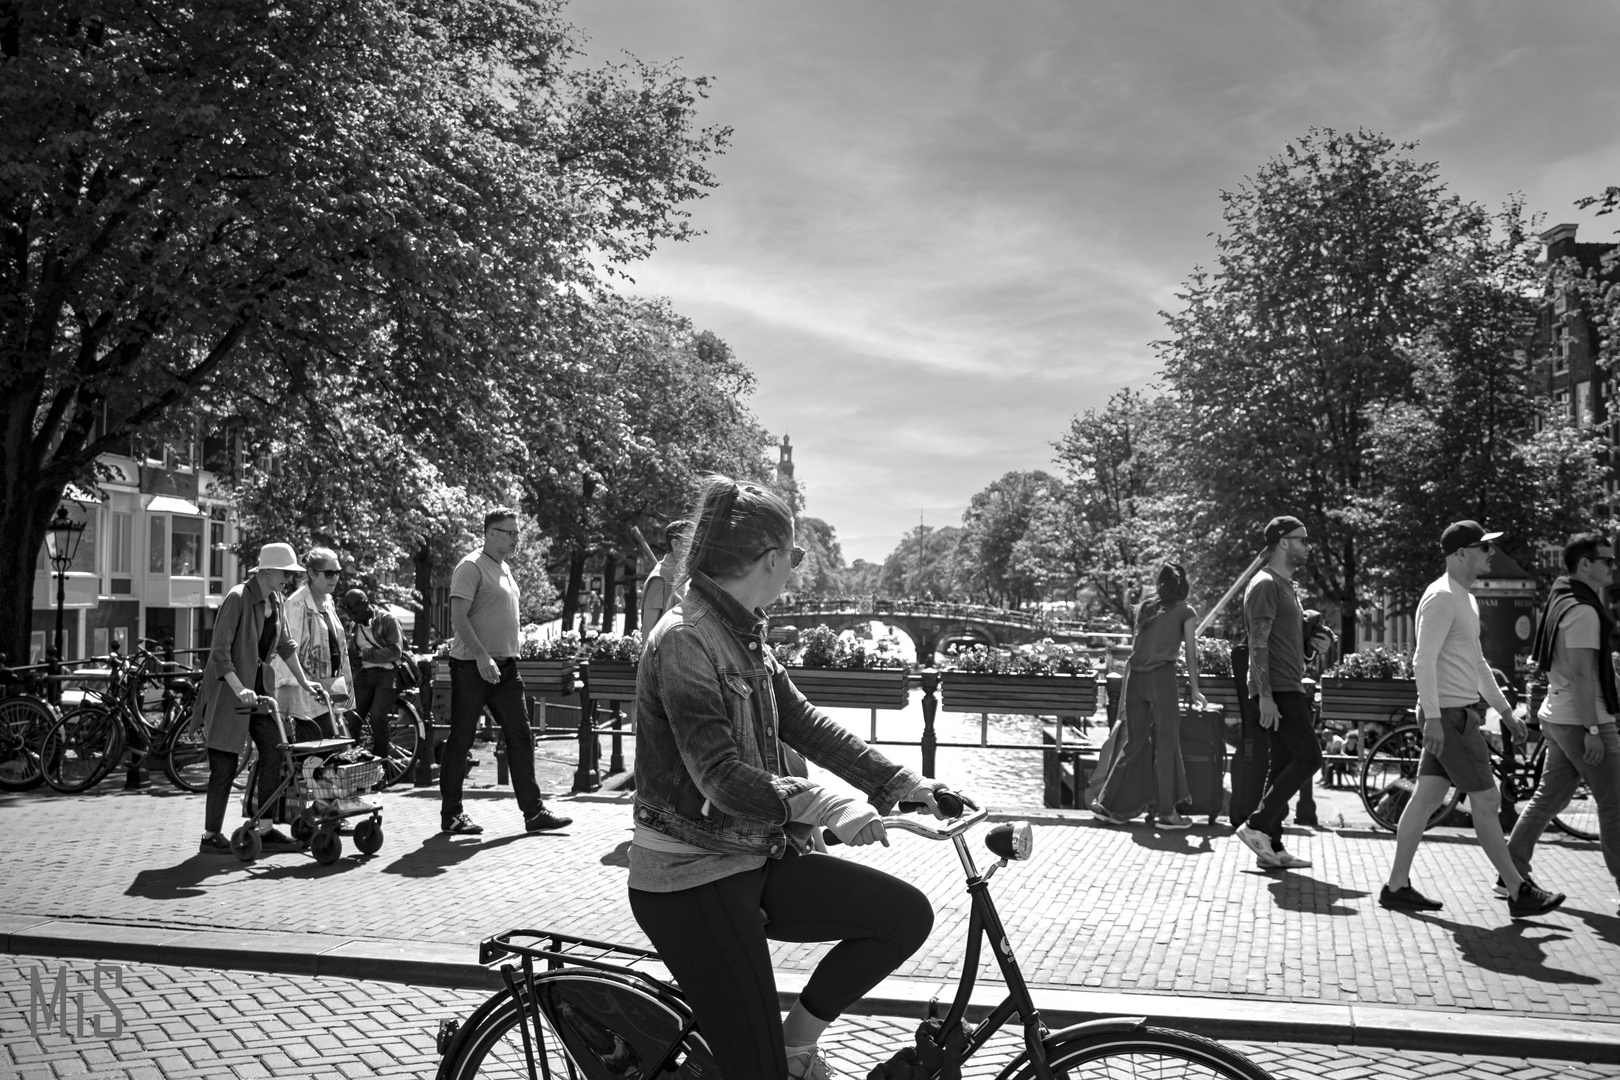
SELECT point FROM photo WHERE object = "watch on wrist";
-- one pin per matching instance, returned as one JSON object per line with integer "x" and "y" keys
{"x": 1592, "y": 729}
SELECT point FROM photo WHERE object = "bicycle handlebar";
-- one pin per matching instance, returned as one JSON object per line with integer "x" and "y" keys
{"x": 949, "y": 830}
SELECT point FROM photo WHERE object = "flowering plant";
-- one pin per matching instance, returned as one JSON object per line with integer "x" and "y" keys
{"x": 1377, "y": 662}
{"x": 624, "y": 648}
{"x": 1044, "y": 657}
{"x": 821, "y": 647}
{"x": 533, "y": 646}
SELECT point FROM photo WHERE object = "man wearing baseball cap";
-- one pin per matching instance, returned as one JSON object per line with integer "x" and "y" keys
{"x": 1454, "y": 682}
{"x": 1276, "y": 677}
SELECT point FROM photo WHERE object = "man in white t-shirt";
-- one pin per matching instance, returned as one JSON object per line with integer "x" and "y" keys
{"x": 1578, "y": 717}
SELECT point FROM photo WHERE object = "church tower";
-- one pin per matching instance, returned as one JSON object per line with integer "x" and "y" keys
{"x": 784, "y": 465}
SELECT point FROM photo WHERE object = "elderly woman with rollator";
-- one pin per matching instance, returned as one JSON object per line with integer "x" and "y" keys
{"x": 1146, "y": 770}
{"x": 235, "y": 694}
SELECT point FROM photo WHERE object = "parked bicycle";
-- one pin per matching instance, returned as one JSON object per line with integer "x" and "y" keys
{"x": 26, "y": 717}
{"x": 592, "y": 1014}
{"x": 1389, "y": 778}
{"x": 88, "y": 741}
{"x": 407, "y": 736}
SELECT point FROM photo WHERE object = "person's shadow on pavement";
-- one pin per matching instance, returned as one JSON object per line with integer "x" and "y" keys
{"x": 1509, "y": 949}
{"x": 439, "y": 853}
{"x": 619, "y": 856}
{"x": 1606, "y": 927}
{"x": 1174, "y": 841}
{"x": 185, "y": 879}
{"x": 1293, "y": 891}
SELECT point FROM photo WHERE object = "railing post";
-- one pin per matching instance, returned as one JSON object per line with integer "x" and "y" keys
{"x": 586, "y": 777}
{"x": 930, "y": 703}
{"x": 616, "y": 762}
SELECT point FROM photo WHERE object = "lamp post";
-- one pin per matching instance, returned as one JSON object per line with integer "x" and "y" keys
{"x": 62, "y": 542}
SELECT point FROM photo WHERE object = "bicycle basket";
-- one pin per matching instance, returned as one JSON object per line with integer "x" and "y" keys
{"x": 333, "y": 781}
{"x": 613, "y": 1028}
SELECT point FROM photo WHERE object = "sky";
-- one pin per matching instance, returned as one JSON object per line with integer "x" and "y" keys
{"x": 944, "y": 229}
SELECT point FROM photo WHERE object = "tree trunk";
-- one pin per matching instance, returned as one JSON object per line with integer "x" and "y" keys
{"x": 1347, "y": 602}
{"x": 576, "y": 575}
{"x": 632, "y": 600}
{"x": 422, "y": 564}
{"x": 610, "y": 585}
{"x": 25, "y": 512}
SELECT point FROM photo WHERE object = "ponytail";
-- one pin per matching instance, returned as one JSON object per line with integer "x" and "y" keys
{"x": 736, "y": 524}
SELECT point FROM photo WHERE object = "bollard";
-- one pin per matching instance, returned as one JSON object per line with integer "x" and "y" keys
{"x": 930, "y": 704}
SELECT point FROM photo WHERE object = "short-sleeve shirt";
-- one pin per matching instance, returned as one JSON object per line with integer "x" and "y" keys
{"x": 492, "y": 609}
{"x": 1271, "y": 597}
{"x": 1159, "y": 639}
{"x": 1579, "y": 629}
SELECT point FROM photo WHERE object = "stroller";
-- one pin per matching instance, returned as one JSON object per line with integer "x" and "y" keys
{"x": 321, "y": 788}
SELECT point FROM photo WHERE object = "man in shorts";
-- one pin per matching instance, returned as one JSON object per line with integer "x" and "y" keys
{"x": 1578, "y": 717}
{"x": 1452, "y": 680}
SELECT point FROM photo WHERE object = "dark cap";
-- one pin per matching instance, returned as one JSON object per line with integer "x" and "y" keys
{"x": 1461, "y": 534}
{"x": 355, "y": 598}
{"x": 1279, "y": 527}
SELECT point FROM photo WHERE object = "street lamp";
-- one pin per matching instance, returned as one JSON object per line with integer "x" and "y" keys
{"x": 62, "y": 542}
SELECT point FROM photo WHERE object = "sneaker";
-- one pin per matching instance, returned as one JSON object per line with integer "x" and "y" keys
{"x": 1407, "y": 898}
{"x": 810, "y": 1065}
{"x": 1287, "y": 860}
{"x": 215, "y": 844}
{"x": 1176, "y": 822}
{"x": 276, "y": 840}
{"x": 544, "y": 819}
{"x": 1533, "y": 900}
{"x": 461, "y": 825}
{"x": 1501, "y": 889}
{"x": 1256, "y": 841}
{"x": 1103, "y": 815}
{"x": 1266, "y": 860}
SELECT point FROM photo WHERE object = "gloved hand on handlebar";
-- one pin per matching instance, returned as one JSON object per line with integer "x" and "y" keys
{"x": 925, "y": 793}
{"x": 855, "y": 823}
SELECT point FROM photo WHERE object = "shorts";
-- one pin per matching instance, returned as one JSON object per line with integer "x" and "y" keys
{"x": 1465, "y": 759}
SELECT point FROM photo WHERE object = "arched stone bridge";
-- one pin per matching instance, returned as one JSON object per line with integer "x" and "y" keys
{"x": 931, "y": 623}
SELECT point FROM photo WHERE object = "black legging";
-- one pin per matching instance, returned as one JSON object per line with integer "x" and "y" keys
{"x": 713, "y": 940}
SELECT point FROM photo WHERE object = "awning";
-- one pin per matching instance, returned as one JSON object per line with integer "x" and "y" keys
{"x": 168, "y": 504}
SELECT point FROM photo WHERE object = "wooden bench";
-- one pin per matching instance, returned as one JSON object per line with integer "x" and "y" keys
{"x": 1364, "y": 703}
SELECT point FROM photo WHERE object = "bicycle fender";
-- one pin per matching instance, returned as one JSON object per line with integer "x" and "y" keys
{"x": 1085, "y": 1027}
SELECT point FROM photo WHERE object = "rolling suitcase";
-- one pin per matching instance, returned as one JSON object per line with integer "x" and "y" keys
{"x": 1203, "y": 754}
{"x": 1251, "y": 758}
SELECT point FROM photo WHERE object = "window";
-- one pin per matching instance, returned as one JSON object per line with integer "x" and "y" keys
{"x": 1583, "y": 403}
{"x": 120, "y": 552}
{"x": 155, "y": 550}
{"x": 185, "y": 547}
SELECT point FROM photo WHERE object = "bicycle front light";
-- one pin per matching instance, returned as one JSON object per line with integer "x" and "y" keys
{"x": 1011, "y": 840}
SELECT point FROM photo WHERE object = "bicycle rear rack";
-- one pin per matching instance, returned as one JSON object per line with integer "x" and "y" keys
{"x": 565, "y": 950}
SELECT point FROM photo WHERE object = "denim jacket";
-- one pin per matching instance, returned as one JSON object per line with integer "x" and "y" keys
{"x": 712, "y": 701}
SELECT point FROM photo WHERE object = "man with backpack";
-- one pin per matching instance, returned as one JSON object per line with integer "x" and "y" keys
{"x": 379, "y": 648}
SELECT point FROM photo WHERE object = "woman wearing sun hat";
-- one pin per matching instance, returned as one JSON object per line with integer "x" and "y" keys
{"x": 233, "y": 694}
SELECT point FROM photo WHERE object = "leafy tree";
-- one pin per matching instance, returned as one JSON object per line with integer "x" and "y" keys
{"x": 929, "y": 562}
{"x": 1277, "y": 356}
{"x": 997, "y": 518}
{"x": 207, "y": 205}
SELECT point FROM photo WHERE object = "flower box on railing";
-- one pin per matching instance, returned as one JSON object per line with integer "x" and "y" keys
{"x": 548, "y": 676}
{"x": 886, "y": 688}
{"x": 610, "y": 680}
{"x": 1036, "y": 695}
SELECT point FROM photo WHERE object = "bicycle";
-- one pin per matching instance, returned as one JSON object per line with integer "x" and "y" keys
{"x": 1388, "y": 779}
{"x": 26, "y": 717}
{"x": 407, "y": 736}
{"x": 591, "y": 1014}
{"x": 84, "y": 745}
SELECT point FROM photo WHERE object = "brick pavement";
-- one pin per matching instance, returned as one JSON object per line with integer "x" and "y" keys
{"x": 1111, "y": 909}
{"x": 193, "y": 1022}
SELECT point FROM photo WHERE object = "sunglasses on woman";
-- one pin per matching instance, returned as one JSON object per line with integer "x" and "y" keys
{"x": 795, "y": 555}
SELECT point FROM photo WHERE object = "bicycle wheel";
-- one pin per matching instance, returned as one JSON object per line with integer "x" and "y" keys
{"x": 405, "y": 740}
{"x": 1389, "y": 777}
{"x": 595, "y": 1025}
{"x": 1161, "y": 1053}
{"x": 1580, "y": 818}
{"x": 81, "y": 748}
{"x": 24, "y": 723}
{"x": 185, "y": 758}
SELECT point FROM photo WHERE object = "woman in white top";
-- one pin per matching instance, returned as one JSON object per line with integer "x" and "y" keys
{"x": 312, "y": 621}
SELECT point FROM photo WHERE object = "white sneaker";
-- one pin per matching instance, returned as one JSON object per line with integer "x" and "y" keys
{"x": 1287, "y": 860}
{"x": 810, "y": 1065}
{"x": 1256, "y": 841}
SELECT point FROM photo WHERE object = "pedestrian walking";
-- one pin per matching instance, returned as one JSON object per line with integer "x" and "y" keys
{"x": 720, "y": 861}
{"x": 379, "y": 646}
{"x": 323, "y": 651}
{"x": 1276, "y": 625}
{"x": 1147, "y": 770}
{"x": 660, "y": 591}
{"x": 1454, "y": 683}
{"x": 483, "y": 674}
{"x": 1578, "y": 716}
{"x": 234, "y": 694}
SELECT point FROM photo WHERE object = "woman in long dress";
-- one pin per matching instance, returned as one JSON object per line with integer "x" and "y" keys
{"x": 1147, "y": 770}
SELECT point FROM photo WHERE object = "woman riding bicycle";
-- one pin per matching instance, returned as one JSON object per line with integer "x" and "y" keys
{"x": 722, "y": 857}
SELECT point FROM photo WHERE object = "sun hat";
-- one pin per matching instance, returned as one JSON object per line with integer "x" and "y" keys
{"x": 277, "y": 557}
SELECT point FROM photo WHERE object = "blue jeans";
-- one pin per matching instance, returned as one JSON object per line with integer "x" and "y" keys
{"x": 1561, "y": 774}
